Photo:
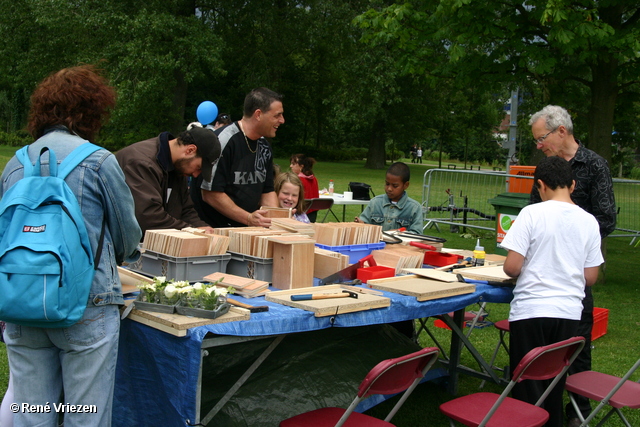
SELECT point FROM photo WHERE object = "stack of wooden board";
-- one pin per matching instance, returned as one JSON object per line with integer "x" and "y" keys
{"x": 254, "y": 241}
{"x": 218, "y": 244}
{"x": 243, "y": 286}
{"x": 178, "y": 243}
{"x": 247, "y": 241}
{"x": 326, "y": 262}
{"x": 398, "y": 257}
{"x": 347, "y": 233}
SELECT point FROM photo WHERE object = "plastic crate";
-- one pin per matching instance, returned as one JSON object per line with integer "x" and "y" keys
{"x": 440, "y": 259}
{"x": 600, "y": 322}
{"x": 250, "y": 266}
{"x": 180, "y": 268}
{"x": 521, "y": 185}
{"x": 355, "y": 252}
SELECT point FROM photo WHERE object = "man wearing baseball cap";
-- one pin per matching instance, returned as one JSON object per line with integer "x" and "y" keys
{"x": 157, "y": 170}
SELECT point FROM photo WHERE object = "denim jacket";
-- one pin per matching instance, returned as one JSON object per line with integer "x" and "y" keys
{"x": 406, "y": 213}
{"x": 103, "y": 196}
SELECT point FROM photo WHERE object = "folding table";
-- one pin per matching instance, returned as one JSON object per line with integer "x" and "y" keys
{"x": 158, "y": 376}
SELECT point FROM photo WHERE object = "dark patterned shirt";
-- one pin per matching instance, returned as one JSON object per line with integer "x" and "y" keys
{"x": 594, "y": 188}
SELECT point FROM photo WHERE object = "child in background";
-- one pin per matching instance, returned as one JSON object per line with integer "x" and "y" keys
{"x": 302, "y": 166}
{"x": 394, "y": 209}
{"x": 291, "y": 194}
{"x": 554, "y": 251}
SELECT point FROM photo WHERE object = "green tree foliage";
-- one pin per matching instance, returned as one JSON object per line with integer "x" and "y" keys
{"x": 546, "y": 47}
{"x": 151, "y": 51}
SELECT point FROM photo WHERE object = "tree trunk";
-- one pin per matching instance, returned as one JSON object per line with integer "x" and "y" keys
{"x": 178, "y": 102}
{"x": 604, "y": 91}
{"x": 376, "y": 155}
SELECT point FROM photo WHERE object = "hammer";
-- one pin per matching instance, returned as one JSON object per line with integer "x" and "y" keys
{"x": 305, "y": 297}
{"x": 251, "y": 308}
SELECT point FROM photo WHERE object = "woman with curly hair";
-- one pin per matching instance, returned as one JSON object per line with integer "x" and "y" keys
{"x": 68, "y": 109}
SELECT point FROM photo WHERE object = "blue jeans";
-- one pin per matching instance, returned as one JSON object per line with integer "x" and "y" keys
{"x": 72, "y": 366}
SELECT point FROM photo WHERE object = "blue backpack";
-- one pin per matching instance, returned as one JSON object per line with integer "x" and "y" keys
{"x": 46, "y": 261}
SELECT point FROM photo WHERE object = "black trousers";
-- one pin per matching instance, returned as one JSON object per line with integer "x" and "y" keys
{"x": 583, "y": 361}
{"x": 527, "y": 334}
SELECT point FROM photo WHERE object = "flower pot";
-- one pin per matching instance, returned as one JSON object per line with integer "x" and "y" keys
{"x": 150, "y": 306}
{"x": 207, "y": 314}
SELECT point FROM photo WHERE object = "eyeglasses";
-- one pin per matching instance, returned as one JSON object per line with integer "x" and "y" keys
{"x": 543, "y": 137}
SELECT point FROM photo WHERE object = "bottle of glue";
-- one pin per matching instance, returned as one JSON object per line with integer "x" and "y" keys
{"x": 478, "y": 255}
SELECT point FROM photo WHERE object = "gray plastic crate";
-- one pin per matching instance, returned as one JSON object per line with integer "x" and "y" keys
{"x": 250, "y": 266}
{"x": 181, "y": 268}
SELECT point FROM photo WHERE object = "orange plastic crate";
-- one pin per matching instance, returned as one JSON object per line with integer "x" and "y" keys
{"x": 600, "y": 322}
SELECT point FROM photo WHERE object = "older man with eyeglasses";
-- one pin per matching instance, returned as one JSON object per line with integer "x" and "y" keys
{"x": 552, "y": 130}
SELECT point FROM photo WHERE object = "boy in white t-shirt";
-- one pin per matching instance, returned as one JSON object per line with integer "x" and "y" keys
{"x": 554, "y": 251}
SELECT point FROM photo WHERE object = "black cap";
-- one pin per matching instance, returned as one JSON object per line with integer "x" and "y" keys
{"x": 208, "y": 148}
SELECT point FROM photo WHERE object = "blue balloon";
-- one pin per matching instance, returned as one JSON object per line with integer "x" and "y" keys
{"x": 207, "y": 112}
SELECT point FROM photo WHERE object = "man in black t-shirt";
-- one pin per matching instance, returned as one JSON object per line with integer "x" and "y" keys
{"x": 242, "y": 180}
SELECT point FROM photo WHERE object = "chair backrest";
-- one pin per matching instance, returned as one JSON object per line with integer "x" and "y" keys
{"x": 318, "y": 203}
{"x": 541, "y": 363}
{"x": 393, "y": 376}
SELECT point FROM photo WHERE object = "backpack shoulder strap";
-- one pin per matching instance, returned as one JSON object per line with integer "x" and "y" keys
{"x": 23, "y": 157}
{"x": 75, "y": 157}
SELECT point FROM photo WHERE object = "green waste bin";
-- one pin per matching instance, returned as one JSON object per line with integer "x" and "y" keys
{"x": 508, "y": 206}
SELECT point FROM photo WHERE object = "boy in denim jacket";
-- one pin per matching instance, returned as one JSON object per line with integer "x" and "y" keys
{"x": 394, "y": 209}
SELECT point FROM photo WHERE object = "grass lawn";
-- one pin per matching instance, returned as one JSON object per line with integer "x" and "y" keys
{"x": 613, "y": 353}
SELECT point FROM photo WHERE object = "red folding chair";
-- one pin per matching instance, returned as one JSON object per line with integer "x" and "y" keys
{"x": 608, "y": 390}
{"x": 490, "y": 409}
{"x": 390, "y": 376}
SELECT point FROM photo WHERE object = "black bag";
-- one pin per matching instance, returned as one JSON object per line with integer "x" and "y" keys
{"x": 361, "y": 191}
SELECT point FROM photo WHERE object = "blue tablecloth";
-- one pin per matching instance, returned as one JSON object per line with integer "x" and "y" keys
{"x": 157, "y": 373}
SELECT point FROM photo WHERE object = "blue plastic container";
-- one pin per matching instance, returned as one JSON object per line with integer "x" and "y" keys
{"x": 355, "y": 252}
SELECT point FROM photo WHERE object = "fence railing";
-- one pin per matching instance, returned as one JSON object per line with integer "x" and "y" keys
{"x": 460, "y": 198}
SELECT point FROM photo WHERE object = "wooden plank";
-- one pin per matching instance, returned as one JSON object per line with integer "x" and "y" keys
{"x": 421, "y": 288}
{"x": 130, "y": 280}
{"x": 176, "y": 324}
{"x": 273, "y": 212}
{"x": 293, "y": 259}
{"x": 325, "y": 262}
{"x": 431, "y": 273}
{"x": 494, "y": 273}
{"x": 494, "y": 259}
{"x": 328, "y": 307}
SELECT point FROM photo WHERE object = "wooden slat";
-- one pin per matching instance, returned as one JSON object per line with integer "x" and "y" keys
{"x": 421, "y": 288}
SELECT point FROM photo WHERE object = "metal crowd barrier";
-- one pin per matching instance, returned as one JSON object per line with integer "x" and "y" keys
{"x": 460, "y": 199}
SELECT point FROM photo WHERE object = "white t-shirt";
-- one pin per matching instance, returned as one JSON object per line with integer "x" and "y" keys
{"x": 558, "y": 241}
